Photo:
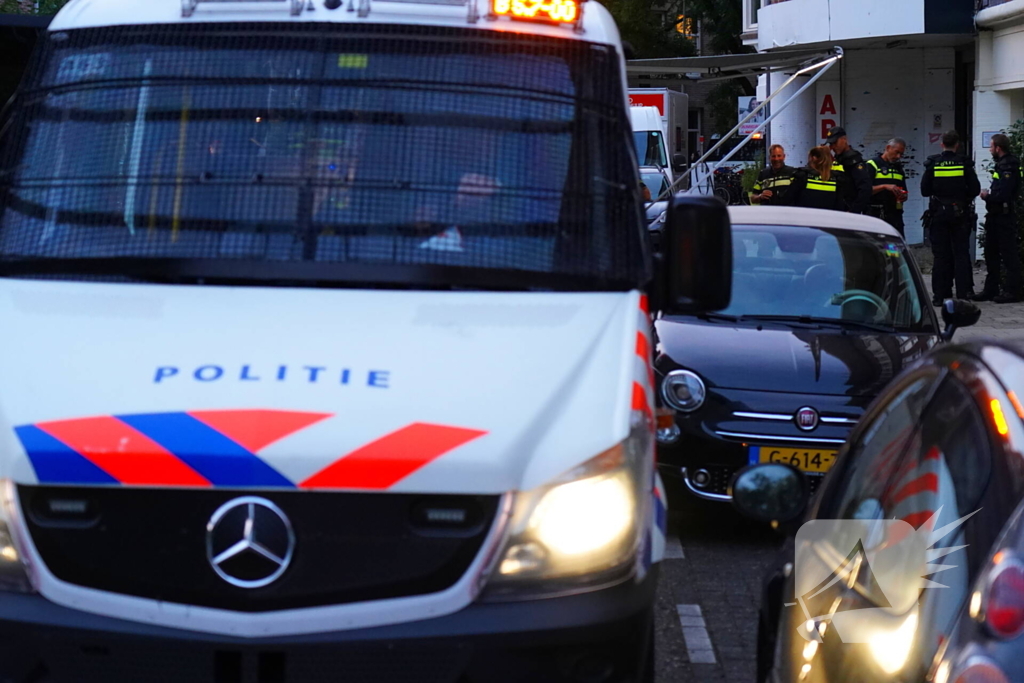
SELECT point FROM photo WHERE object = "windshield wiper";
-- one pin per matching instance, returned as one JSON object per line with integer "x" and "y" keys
{"x": 724, "y": 317}
{"x": 818, "y": 320}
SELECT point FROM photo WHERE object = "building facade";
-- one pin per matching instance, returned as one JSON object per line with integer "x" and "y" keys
{"x": 908, "y": 71}
{"x": 999, "y": 84}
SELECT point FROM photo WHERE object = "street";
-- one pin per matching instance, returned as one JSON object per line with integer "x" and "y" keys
{"x": 708, "y": 596}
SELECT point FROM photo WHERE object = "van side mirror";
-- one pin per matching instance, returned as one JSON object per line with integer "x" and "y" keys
{"x": 957, "y": 313}
{"x": 679, "y": 162}
{"x": 693, "y": 271}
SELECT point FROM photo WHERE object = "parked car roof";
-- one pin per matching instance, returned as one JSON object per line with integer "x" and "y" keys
{"x": 815, "y": 218}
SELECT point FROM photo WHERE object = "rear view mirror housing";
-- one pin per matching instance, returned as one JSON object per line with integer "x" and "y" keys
{"x": 771, "y": 493}
{"x": 693, "y": 271}
{"x": 957, "y": 313}
{"x": 679, "y": 162}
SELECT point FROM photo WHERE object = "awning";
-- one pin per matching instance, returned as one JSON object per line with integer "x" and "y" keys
{"x": 751, "y": 64}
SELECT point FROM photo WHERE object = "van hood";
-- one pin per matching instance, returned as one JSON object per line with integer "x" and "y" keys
{"x": 245, "y": 387}
{"x": 788, "y": 359}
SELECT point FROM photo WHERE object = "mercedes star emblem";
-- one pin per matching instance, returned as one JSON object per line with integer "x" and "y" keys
{"x": 249, "y": 542}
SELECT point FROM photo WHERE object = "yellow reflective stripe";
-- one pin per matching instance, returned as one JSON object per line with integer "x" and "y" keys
{"x": 837, "y": 168}
{"x": 889, "y": 176}
{"x": 995, "y": 175}
{"x": 874, "y": 165}
{"x": 821, "y": 185}
{"x": 948, "y": 173}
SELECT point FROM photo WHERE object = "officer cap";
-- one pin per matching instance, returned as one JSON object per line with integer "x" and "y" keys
{"x": 834, "y": 134}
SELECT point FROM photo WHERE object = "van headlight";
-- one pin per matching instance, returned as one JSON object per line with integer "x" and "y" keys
{"x": 13, "y": 574}
{"x": 683, "y": 390}
{"x": 580, "y": 531}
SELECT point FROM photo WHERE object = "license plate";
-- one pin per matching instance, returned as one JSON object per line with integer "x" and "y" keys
{"x": 804, "y": 459}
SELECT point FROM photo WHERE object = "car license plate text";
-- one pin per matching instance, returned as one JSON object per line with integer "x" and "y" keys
{"x": 804, "y": 459}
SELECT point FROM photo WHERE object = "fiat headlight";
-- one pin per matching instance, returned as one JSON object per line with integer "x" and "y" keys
{"x": 13, "y": 575}
{"x": 580, "y": 531}
{"x": 683, "y": 390}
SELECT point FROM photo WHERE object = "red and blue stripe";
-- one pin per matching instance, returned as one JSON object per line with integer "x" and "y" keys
{"x": 219, "y": 448}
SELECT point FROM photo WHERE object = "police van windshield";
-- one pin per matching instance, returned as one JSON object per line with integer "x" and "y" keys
{"x": 405, "y": 155}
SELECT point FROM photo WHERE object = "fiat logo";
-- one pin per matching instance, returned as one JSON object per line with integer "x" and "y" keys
{"x": 807, "y": 418}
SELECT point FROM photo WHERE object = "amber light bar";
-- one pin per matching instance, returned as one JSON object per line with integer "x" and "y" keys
{"x": 564, "y": 11}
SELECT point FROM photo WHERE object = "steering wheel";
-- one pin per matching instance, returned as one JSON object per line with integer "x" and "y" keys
{"x": 852, "y": 295}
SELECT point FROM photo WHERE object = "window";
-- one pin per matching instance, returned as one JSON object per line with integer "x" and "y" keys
{"x": 821, "y": 273}
{"x": 750, "y": 8}
{"x": 873, "y": 460}
{"x": 282, "y": 143}
{"x": 688, "y": 26}
{"x": 650, "y": 148}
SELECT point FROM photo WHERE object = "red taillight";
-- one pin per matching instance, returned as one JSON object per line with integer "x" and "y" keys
{"x": 1004, "y": 609}
{"x": 982, "y": 672}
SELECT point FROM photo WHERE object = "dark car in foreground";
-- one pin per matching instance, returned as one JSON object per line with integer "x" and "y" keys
{"x": 908, "y": 564}
{"x": 827, "y": 309}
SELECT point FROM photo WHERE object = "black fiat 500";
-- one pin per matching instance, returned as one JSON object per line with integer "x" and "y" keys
{"x": 827, "y": 308}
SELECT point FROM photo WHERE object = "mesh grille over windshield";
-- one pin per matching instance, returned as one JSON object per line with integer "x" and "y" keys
{"x": 328, "y": 143}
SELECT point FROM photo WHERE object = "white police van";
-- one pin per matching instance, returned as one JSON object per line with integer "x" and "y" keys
{"x": 326, "y": 352}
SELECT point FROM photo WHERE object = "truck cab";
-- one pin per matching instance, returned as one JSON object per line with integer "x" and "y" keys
{"x": 660, "y": 120}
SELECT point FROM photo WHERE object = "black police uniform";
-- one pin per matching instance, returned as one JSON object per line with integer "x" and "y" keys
{"x": 777, "y": 181}
{"x": 809, "y": 191}
{"x": 1001, "y": 229}
{"x": 949, "y": 179}
{"x": 884, "y": 204}
{"x": 854, "y": 178}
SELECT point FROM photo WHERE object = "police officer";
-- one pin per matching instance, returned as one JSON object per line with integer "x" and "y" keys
{"x": 774, "y": 180}
{"x": 890, "y": 185}
{"x": 851, "y": 173}
{"x": 949, "y": 179}
{"x": 814, "y": 187}
{"x": 1001, "y": 226}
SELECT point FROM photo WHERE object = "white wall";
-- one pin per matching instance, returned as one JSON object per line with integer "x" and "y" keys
{"x": 999, "y": 83}
{"x": 914, "y": 102}
{"x": 792, "y": 23}
{"x": 795, "y": 129}
{"x": 879, "y": 102}
{"x": 801, "y": 22}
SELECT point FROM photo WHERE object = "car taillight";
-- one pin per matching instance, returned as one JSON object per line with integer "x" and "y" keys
{"x": 982, "y": 672}
{"x": 1004, "y": 608}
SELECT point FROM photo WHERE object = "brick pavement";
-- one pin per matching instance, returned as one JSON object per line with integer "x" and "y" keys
{"x": 999, "y": 321}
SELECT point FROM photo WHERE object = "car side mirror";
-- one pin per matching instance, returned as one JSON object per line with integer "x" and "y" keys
{"x": 679, "y": 162}
{"x": 693, "y": 271}
{"x": 770, "y": 492}
{"x": 956, "y": 314}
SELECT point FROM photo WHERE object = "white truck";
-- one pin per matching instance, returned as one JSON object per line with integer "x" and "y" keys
{"x": 660, "y": 121}
{"x": 327, "y": 348}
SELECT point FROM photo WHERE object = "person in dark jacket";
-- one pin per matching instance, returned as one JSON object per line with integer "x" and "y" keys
{"x": 774, "y": 180}
{"x": 851, "y": 173}
{"x": 890, "y": 185}
{"x": 951, "y": 183}
{"x": 815, "y": 187}
{"x": 1001, "y": 248}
